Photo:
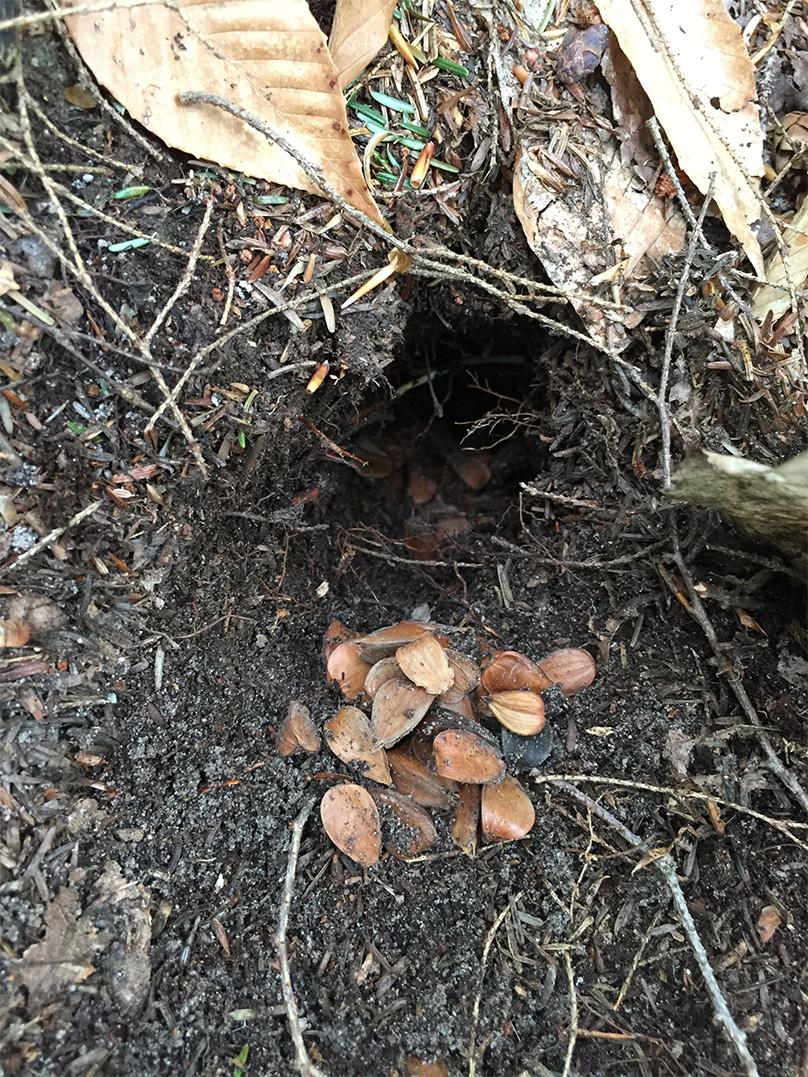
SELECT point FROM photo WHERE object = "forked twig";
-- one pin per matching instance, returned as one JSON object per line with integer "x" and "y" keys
{"x": 666, "y": 867}
{"x": 304, "y": 1064}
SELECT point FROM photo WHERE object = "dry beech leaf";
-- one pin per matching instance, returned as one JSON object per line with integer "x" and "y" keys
{"x": 414, "y": 779}
{"x": 297, "y": 732}
{"x": 398, "y": 707}
{"x": 521, "y": 712}
{"x": 466, "y": 757}
{"x": 410, "y": 831}
{"x": 506, "y": 811}
{"x": 385, "y": 641}
{"x": 346, "y": 668}
{"x": 351, "y": 820}
{"x": 349, "y": 738}
{"x": 64, "y": 956}
{"x": 425, "y": 663}
{"x": 358, "y": 32}
{"x": 466, "y": 819}
{"x": 774, "y": 296}
{"x": 768, "y": 922}
{"x": 691, "y": 60}
{"x": 380, "y": 672}
{"x": 510, "y": 671}
{"x": 271, "y": 59}
{"x": 14, "y": 633}
{"x": 571, "y": 668}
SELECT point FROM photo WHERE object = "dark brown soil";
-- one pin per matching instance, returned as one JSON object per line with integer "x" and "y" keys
{"x": 153, "y": 744}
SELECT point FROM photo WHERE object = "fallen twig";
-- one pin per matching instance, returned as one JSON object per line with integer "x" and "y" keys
{"x": 475, "y": 1013}
{"x": 665, "y": 865}
{"x": 51, "y": 537}
{"x": 304, "y": 1064}
{"x": 573, "y": 1013}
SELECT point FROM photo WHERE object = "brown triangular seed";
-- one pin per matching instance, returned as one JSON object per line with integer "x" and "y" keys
{"x": 386, "y": 641}
{"x": 466, "y": 819}
{"x": 349, "y": 738}
{"x": 506, "y": 811}
{"x": 412, "y": 831}
{"x": 378, "y": 673}
{"x": 351, "y": 820}
{"x": 462, "y": 706}
{"x": 347, "y": 669}
{"x": 297, "y": 732}
{"x": 571, "y": 668}
{"x": 472, "y": 468}
{"x": 425, "y": 663}
{"x": 414, "y": 779}
{"x": 466, "y": 757}
{"x": 398, "y": 707}
{"x": 466, "y": 673}
{"x": 521, "y": 712}
{"x": 510, "y": 671}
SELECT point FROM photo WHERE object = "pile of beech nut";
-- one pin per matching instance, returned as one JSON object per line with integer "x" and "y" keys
{"x": 425, "y": 745}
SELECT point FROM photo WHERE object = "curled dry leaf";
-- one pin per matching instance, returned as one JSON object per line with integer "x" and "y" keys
{"x": 347, "y": 669}
{"x": 571, "y": 668}
{"x": 297, "y": 732}
{"x": 466, "y": 757}
{"x": 14, "y": 633}
{"x": 466, "y": 819}
{"x": 510, "y": 671}
{"x": 521, "y": 712}
{"x": 506, "y": 812}
{"x": 270, "y": 59}
{"x": 413, "y": 778}
{"x": 768, "y": 922}
{"x": 692, "y": 62}
{"x": 351, "y": 820}
{"x": 385, "y": 641}
{"x": 349, "y": 737}
{"x": 398, "y": 707}
{"x": 358, "y": 32}
{"x": 411, "y": 831}
{"x": 380, "y": 672}
{"x": 425, "y": 663}
{"x": 336, "y": 633}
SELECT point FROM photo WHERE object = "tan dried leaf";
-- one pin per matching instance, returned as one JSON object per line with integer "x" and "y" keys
{"x": 506, "y": 811}
{"x": 270, "y": 59}
{"x": 297, "y": 732}
{"x": 349, "y": 737}
{"x": 358, "y": 32}
{"x": 692, "y": 62}
{"x": 425, "y": 663}
{"x": 774, "y": 296}
{"x": 412, "y": 831}
{"x": 351, "y": 820}
{"x": 398, "y": 707}
{"x": 64, "y": 956}
{"x": 466, "y": 757}
{"x": 414, "y": 779}
{"x": 127, "y": 965}
{"x": 7, "y": 280}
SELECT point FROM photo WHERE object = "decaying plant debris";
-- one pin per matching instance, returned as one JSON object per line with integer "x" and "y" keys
{"x": 555, "y": 261}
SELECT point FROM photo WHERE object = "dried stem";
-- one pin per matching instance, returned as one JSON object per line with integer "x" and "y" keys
{"x": 667, "y": 869}
{"x": 304, "y": 1064}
